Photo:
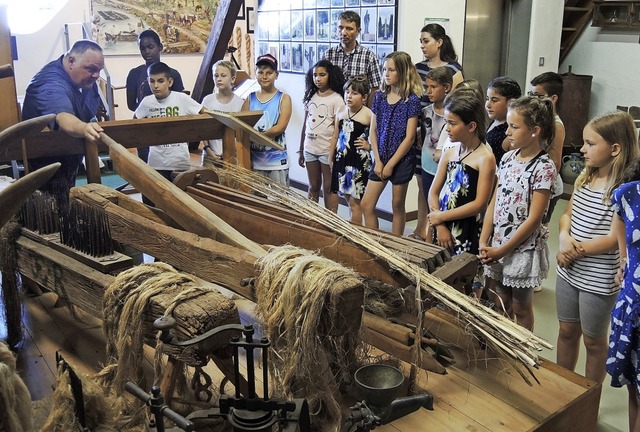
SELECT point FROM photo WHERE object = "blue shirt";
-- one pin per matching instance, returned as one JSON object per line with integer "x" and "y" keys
{"x": 51, "y": 91}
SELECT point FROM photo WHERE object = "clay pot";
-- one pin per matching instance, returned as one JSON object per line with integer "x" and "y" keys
{"x": 572, "y": 166}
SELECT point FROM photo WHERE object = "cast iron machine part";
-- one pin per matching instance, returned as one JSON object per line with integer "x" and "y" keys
{"x": 247, "y": 413}
{"x": 379, "y": 385}
{"x": 159, "y": 409}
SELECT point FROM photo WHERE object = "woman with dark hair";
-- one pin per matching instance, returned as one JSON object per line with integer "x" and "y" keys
{"x": 438, "y": 51}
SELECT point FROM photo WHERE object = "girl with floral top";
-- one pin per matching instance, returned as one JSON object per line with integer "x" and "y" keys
{"x": 513, "y": 241}
{"x": 464, "y": 179}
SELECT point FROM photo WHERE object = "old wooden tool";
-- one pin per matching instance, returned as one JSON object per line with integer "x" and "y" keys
{"x": 182, "y": 208}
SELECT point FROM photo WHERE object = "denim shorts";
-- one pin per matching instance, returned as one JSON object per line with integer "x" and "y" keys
{"x": 310, "y": 157}
{"x": 402, "y": 172}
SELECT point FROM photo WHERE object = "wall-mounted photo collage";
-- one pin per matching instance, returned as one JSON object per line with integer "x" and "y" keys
{"x": 299, "y": 32}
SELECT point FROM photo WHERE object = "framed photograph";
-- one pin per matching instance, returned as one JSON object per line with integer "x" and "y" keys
{"x": 322, "y": 49}
{"x": 285, "y": 56}
{"x": 273, "y": 23}
{"x": 263, "y": 48}
{"x": 251, "y": 20}
{"x": 274, "y": 50}
{"x": 285, "y": 25}
{"x": 335, "y": 21}
{"x": 369, "y": 18}
{"x": 297, "y": 33}
{"x": 296, "y": 57}
{"x": 309, "y": 51}
{"x": 242, "y": 14}
{"x": 263, "y": 29}
{"x": 323, "y": 26}
{"x": 386, "y": 24}
{"x": 383, "y": 51}
{"x": 310, "y": 25}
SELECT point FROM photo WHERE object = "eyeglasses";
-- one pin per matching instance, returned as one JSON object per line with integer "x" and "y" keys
{"x": 537, "y": 95}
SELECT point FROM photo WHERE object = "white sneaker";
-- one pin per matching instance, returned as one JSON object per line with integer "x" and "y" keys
{"x": 537, "y": 288}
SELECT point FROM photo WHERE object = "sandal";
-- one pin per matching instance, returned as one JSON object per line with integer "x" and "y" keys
{"x": 416, "y": 237}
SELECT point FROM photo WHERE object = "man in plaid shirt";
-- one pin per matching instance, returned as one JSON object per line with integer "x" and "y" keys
{"x": 353, "y": 58}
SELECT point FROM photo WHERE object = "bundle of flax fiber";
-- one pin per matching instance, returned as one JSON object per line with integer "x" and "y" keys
{"x": 291, "y": 288}
{"x": 518, "y": 345}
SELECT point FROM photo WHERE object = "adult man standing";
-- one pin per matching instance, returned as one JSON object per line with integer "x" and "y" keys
{"x": 352, "y": 57}
{"x": 67, "y": 87}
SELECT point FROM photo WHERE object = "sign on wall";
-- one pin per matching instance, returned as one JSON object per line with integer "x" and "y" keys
{"x": 299, "y": 32}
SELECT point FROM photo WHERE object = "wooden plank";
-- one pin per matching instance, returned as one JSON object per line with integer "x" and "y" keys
{"x": 188, "y": 252}
{"x": 131, "y": 133}
{"x": 266, "y": 229}
{"x": 180, "y": 206}
{"x": 219, "y": 37}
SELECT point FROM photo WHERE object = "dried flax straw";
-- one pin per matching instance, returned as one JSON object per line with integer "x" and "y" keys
{"x": 291, "y": 290}
{"x": 517, "y": 345}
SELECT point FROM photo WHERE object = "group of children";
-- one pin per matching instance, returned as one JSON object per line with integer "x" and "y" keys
{"x": 489, "y": 189}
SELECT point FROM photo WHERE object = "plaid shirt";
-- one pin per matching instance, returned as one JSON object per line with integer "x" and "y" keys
{"x": 360, "y": 61}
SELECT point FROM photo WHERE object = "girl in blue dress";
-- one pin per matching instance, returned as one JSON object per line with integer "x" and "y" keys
{"x": 624, "y": 341}
{"x": 393, "y": 128}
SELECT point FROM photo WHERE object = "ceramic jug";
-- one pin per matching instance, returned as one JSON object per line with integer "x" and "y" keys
{"x": 572, "y": 166}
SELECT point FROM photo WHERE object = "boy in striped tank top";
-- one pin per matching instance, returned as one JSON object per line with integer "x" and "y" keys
{"x": 588, "y": 257}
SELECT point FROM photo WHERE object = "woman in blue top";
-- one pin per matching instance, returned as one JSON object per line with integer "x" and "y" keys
{"x": 393, "y": 127}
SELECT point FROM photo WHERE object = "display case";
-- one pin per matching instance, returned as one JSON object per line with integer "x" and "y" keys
{"x": 620, "y": 14}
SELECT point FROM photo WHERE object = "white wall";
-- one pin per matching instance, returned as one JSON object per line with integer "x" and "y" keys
{"x": 37, "y": 49}
{"x": 612, "y": 58}
{"x": 409, "y": 25}
{"x": 544, "y": 37}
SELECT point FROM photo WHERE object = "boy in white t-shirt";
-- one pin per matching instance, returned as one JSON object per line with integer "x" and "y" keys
{"x": 222, "y": 100}
{"x": 166, "y": 103}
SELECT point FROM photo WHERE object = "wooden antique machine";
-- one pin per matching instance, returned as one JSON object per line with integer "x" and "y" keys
{"x": 216, "y": 231}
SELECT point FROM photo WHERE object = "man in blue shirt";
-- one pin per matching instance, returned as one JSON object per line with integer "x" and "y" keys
{"x": 67, "y": 87}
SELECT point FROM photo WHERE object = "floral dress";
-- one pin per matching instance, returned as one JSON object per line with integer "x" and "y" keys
{"x": 624, "y": 341}
{"x": 351, "y": 165}
{"x": 460, "y": 188}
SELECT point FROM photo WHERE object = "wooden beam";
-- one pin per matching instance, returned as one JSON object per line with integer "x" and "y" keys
{"x": 180, "y": 206}
{"x": 130, "y": 133}
{"x": 221, "y": 32}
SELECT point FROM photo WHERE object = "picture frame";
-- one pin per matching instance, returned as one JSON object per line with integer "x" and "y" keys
{"x": 251, "y": 20}
{"x": 116, "y": 28}
{"x": 301, "y": 31}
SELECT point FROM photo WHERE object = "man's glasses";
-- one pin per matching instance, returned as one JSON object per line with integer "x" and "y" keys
{"x": 537, "y": 95}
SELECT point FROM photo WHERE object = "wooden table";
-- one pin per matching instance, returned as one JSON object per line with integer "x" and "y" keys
{"x": 482, "y": 393}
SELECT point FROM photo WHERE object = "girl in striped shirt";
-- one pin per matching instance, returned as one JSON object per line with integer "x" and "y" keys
{"x": 587, "y": 256}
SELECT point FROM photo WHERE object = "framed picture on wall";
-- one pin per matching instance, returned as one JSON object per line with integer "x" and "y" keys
{"x": 297, "y": 33}
{"x": 310, "y": 27}
{"x": 116, "y": 26}
{"x": 309, "y": 55}
{"x": 251, "y": 19}
{"x": 285, "y": 56}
